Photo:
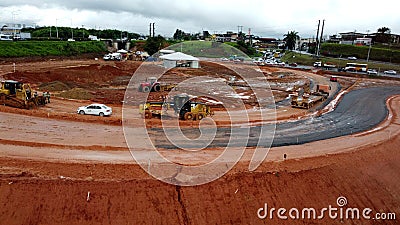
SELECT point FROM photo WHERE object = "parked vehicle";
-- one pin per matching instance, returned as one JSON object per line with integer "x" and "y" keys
{"x": 390, "y": 72}
{"x": 95, "y": 109}
{"x": 372, "y": 72}
{"x": 352, "y": 58}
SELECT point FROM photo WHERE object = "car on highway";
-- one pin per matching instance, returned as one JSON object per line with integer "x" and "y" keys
{"x": 372, "y": 72}
{"x": 352, "y": 58}
{"x": 279, "y": 63}
{"x": 390, "y": 72}
{"x": 333, "y": 79}
{"x": 317, "y": 64}
{"x": 95, "y": 109}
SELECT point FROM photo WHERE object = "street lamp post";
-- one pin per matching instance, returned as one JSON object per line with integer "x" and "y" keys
{"x": 56, "y": 28}
{"x": 369, "y": 51}
{"x": 13, "y": 13}
{"x": 370, "y": 44}
{"x": 83, "y": 32}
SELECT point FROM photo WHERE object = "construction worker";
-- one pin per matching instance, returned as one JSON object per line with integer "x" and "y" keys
{"x": 46, "y": 96}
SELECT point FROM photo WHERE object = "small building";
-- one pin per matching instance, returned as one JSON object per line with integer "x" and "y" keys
{"x": 363, "y": 41}
{"x": 179, "y": 59}
{"x": 351, "y": 36}
{"x": 15, "y": 30}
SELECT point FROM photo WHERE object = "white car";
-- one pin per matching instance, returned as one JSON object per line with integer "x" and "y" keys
{"x": 112, "y": 56}
{"x": 317, "y": 64}
{"x": 95, "y": 109}
{"x": 352, "y": 58}
{"x": 390, "y": 72}
{"x": 280, "y": 63}
{"x": 372, "y": 72}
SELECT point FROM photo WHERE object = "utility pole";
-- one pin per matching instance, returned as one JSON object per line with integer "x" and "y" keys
{"x": 250, "y": 41}
{"x": 320, "y": 39}
{"x": 316, "y": 40}
{"x": 240, "y": 30}
{"x": 369, "y": 50}
{"x": 150, "y": 30}
{"x": 154, "y": 30}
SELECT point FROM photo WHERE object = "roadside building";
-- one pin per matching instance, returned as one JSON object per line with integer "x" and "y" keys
{"x": 264, "y": 43}
{"x": 363, "y": 41}
{"x": 14, "y": 30}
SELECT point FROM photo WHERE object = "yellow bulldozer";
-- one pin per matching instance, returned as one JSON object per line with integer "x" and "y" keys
{"x": 182, "y": 105}
{"x": 19, "y": 95}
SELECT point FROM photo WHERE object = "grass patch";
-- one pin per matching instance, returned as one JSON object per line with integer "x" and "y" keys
{"x": 49, "y": 48}
{"x": 207, "y": 49}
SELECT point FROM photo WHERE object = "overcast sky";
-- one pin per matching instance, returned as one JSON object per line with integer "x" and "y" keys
{"x": 265, "y": 18}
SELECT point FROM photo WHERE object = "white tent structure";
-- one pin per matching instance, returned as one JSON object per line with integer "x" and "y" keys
{"x": 179, "y": 59}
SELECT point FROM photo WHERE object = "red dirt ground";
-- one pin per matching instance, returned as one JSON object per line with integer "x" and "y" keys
{"x": 42, "y": 191}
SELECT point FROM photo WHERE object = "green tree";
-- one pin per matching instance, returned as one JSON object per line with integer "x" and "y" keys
{"x": 245, "y": 48}
{"x": 154, "y": 44}
{"x": 179, "y": 34}
{"x": 290, "y": 39}
{"x": 383, "y": 35}
{"x": 383, "y": 30}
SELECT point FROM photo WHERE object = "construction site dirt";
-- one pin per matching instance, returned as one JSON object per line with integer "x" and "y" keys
{"x": 59, "y": 167}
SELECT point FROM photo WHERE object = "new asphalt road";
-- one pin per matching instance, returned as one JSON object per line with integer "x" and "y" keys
{"x": 358, "y": 111}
